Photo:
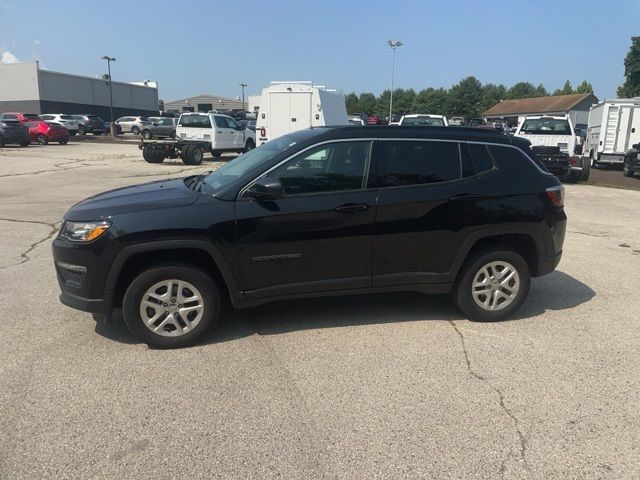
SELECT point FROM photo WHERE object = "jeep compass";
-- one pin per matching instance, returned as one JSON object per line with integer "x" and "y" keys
{"x": 323, "y": 211}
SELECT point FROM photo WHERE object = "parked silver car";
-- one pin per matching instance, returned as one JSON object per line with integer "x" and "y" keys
{"x": 132, "y": 124}
{"x": 68, "y": 121}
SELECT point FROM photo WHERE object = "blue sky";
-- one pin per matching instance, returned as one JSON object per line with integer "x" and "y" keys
{"x": 192, "y": 47}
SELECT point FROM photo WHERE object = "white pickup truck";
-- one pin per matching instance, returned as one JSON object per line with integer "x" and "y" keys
{"x": 555, "y": 142}
{"x": 198, "y": 133}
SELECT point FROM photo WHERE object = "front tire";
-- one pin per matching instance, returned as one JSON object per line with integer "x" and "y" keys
{"x": 586, "y": 170}
{"x": 146, "y": 134}
{"x": 171, "y": 306}
{"x": 42, "y": 140}
{"x": 250, "y": 145}
{"x": 135, "y": 130}
{"x": 492, "y": 285}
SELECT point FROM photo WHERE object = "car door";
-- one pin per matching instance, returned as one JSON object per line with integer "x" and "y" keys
{"x": 164, "y": 127}
{"x": 238, "y": 133}
{"x": 429, "y": 202}
{"x": 317, "y": 237}
{"x": 224, "y": 134}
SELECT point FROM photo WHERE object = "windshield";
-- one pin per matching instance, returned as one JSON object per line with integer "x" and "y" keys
{"x": 230, "y": 172}
{"x": 195, "y": 121}
{"x": 546, "y": 126}
{"x": 424, "y": 121}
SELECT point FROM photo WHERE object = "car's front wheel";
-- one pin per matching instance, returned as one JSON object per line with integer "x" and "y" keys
{"x": 42, "y": 139}
{"x": 493, "y": 285}
{"x": 135, "y": 130}
{"x": 171, "y": 306}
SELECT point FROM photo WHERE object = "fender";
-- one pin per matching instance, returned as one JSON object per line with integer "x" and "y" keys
{"x": 127, "y": 252}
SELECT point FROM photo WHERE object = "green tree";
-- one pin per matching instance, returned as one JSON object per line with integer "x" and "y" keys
{"x": 431, "y": 100}
{"x": 367, "y": 103}
{"x": 382, "y": 103}
{"x": 351, "y": 102}
{"x": 465, "y": 98}
{"x": 522, "y": 90}
{"x": 491, "y": 95}
{"x": 403, "y": 100}
{"x": 584, "y": 87}
{"x": 631, "y": 86}
{"x": 541, "y": 91}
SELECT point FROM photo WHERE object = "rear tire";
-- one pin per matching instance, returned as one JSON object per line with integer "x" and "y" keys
{"x": 468, "y": 291}
{"x": 216, "y": 154}
{"x": 146, "y": 134}
{"x": 627, "y": 171}
{"x": 152, "y": 155}
{"x": 586, "y": 170}
{"x": 82, "y": 131}
{"x": 192, "y": 155}
{"x": 186, "y": 282}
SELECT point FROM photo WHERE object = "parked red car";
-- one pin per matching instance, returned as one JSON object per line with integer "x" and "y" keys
{"x": 45, "y": 132}
{"x": 376, "y": 120}
{"x": 21, "y": 117}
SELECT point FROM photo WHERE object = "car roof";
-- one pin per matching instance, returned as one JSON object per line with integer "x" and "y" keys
{"x": 418, "y": 132}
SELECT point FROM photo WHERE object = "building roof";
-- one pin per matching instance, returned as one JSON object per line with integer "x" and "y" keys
{"x": 554, "y": 103}
{"x": 216, "y": 101}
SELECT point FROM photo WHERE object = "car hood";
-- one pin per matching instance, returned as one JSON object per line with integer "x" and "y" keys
{"x": 147, "y": 196}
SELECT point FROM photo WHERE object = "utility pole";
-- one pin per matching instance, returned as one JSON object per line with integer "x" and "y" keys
{"x": 244, "y": 110}
{"x": 112, "y": 126}
{"x": 394, "y": 44}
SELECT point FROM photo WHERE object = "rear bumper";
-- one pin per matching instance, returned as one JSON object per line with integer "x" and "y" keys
{"x": 611, "y": 159}
{"x": 548, "y": 264}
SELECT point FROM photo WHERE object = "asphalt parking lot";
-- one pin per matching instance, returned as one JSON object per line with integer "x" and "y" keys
{"x": 385, "y": 386}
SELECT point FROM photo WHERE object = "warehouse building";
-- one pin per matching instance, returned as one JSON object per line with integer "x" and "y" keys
{"x": 203, "y": 103}
{"x": 576, "y": 106}
{"x": 25, "y": 87}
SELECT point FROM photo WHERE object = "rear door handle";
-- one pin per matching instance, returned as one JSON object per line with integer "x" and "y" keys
{"x": 352, "y": 208}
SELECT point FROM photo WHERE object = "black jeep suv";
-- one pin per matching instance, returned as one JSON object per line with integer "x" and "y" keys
{"x": 324, "y": 211}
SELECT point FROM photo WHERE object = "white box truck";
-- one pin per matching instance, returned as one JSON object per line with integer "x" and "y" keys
{"x": 290, "y": 106}
{"x": 614, "y": 126}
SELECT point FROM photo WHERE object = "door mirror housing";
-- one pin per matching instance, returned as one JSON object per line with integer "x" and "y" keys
{"x": 265, "y": 188}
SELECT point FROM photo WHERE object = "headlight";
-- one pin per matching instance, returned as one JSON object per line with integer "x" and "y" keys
{"x": 84, "y": 231}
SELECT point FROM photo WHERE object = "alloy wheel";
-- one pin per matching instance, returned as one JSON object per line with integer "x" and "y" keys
{"x": 495, "y": 286}
{"x": 171, "y": 308}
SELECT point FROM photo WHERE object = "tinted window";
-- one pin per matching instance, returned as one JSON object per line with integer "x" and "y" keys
{"x": 512, "y": 160}
{"x": 416, "y": 163}
{"x": 232, "y": 123}
{"x": 482, "y": 160}
{"x": 423, "y": 121}
{"x": 326, "y": 168}
{"x": 221, "y": 122}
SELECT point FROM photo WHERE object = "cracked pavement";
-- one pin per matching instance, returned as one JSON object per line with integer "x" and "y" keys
{"x": 386, "y": 386}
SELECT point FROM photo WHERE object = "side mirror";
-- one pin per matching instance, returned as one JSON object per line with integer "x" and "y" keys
{"x": 241, "y": 127}
{"x": 265, "y": 188}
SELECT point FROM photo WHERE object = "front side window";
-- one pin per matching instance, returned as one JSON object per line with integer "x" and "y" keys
{"x": 404, "y": 163}
{"x": 326, "y": 168}
{"x": 221, "y": 122}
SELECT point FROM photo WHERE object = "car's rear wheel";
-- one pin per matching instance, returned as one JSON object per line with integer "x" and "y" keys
{"x": 152, "y": 155}
{"x": 64, "y": 142}
{"x": 627, "y": 171}
{"x": 135, "y": 130}
{"x": 42, "y": 139}
{"x": 216, "y": 154}
{"x": 192, "y": 155}
{"x": 171, "y": 306}
{"x": 492, "y": 285}
{"x": 586, "y": 169}
{"x": 147, "y": 134}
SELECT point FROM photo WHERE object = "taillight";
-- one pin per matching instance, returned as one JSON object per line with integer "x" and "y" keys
{"x": 573, "y": 161}
{"x": 556, "y": 195}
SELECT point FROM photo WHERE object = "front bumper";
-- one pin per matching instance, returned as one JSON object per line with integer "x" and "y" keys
{"x": 91, "y": 305}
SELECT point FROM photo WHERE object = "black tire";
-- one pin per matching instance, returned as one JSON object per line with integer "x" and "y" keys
{"x": 192, "y": 155}
{"x": 135, "y": 130}
{"x": 586, "y": 169}
{"x": 82, "y": 130}
{"x": 146, "y": 134}
{"x": 462, "y": 292}
{"x": 250, "y": 145}
{"x": 627, "y": 171}
{"x": 216, "y": 154}
{"x": 135, "y": 294}
{"x": 63, "y": 142}
{"x": 152, "y": 155}
{"x": 42, "y": 139}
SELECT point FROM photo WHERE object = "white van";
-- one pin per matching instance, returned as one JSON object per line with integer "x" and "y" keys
{"x": 614, "y": 127}
{"x": 222, "y": 132}
{"x": 290, "y": 106}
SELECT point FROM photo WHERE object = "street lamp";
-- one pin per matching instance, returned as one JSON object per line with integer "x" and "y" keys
{"x": 244, "y": 110}
{"x": 393, "y": 44}
{"x": 109, "y": 60}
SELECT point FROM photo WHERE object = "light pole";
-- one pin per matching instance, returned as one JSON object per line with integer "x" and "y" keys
{"x": 393, "y": 44}
{"x": 109, "y": 60}
{"x": 244, "y": 110}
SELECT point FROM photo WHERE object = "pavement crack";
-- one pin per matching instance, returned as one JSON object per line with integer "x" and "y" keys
{"x": 59, "y": 167}
{"x": 522, "y": 447}
{"x": 24, "y": 256}
{"x": 588, "y": 234}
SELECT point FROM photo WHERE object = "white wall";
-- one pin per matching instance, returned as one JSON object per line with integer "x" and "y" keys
{"x": 19, "y": 81}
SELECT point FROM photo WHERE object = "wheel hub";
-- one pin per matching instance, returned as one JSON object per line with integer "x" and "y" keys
{"x": 171, "y": 308}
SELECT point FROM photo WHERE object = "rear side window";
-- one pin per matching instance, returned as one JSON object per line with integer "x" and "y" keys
{"x": 481, "y": 157}
{"x": 513, "y": 160}
{"x": 417, "y": 163}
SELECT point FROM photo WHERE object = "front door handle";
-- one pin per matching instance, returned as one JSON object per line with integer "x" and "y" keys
{"x": 352, "y": 208}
